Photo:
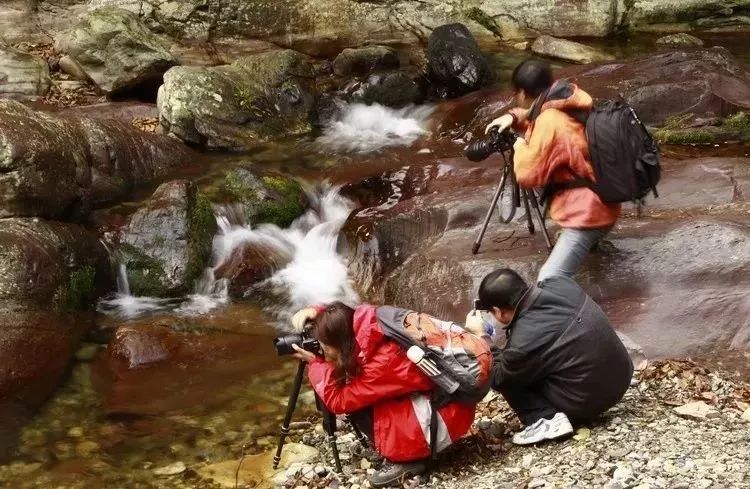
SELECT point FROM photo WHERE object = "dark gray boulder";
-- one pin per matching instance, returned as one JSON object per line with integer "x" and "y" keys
{"x": 456, "y": 64}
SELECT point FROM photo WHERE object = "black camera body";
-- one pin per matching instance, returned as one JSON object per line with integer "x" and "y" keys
{"x": 283, "y": 344}
{"x": 495, "y": 142}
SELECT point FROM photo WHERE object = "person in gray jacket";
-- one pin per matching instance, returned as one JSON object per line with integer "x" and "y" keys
{"x": 562, "y": 359}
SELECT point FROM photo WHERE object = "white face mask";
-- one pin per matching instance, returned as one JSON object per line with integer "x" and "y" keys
{"x": 490, "y": 322}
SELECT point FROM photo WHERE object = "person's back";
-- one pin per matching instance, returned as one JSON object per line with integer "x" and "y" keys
{"x": 583, "y": 366}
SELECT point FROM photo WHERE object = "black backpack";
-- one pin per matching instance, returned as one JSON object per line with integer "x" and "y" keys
{"x": 624, "y": 155}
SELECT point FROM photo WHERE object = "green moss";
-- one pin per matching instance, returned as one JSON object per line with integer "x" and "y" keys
{"x": 480, "y": 17}
{"x": 674, "y": 131}
{"x": 238, "y": 189}
{"x": 283, "y": 212}
{"x": 739, "y": 122}
{"x": 685, "y": 136}
{"x": 146, "y": 275}
{"x": 81, "y": 292}
{"x": 201, "y": 230}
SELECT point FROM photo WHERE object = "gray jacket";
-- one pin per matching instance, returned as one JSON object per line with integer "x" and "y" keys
{"x": 561, "y": 341}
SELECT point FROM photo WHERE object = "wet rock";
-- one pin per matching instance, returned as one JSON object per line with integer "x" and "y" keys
{"x": 22, "y": 76}
{"x": 697, "y": 410}
{"x": 256, "y": 470}
{"x": 567, "y": 50}
{"x": 236, "y": 106}
{"x": 60, "y": 167}
{"x": 250, "y": 264}
{"x": 365, "y": 60}
{"x": 117, "y": 51}
{"x": 69, "y": 65}
{"x": 456, "y": 65}
{"x": 681, "y": 39}
{"x": 395, "y": 89}
{"x": 166, "y": 244}
{"x": 657, "y": 88}
{"x": 50, "y": 275}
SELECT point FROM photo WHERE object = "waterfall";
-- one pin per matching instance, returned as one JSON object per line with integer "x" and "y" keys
{"x": 315, "y": 273}
{"x": 366, "y": 128}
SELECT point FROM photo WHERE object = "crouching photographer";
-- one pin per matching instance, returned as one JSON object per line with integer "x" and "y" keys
{"x": 408, "y": 381}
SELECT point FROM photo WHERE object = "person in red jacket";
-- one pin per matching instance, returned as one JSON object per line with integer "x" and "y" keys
{"x": 369, "y": 377}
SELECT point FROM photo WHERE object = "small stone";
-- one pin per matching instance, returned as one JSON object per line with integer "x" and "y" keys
{"x": 582, "y": 434}
{"x": 527, "y": 460}
{"x": 746, "y": 415}
{"x": 623, "y": 473}
{"x": 321, "y": 471}
{"x": 85, "y": 449}
{"x": 172, "y": 469}
{"x": 697, "y": 410}
{"x": 355, "y": 486}
{"x": 536, "y": 483}
{"x": 364, "y": 464}
{"x": 76, "y": 432}
{"x": 521, "y": 46}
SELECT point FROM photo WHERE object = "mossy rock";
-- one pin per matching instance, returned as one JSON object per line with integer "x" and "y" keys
{"x": 683, "y": 129}
{"x": 273, "y": 199}
{"x": 81, "y": 288}
{"x": 167, "y": 243}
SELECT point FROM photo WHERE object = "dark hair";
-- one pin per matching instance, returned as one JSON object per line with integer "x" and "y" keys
{"x": 335, "y": 327}
{"x": 502, "y": 288}
{"x": 533, "y": 76}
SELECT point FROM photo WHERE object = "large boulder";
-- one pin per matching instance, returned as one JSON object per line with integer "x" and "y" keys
{"x": 50, "y": 277}
{"x": 166, "y": 244}
{"x": 456, "y": 65}
{"x": 567, "y": 50}
{"x": 361, "y": 61}
{"x": 117, "y": 51}
{"x": 705, "y": 82}
{"x": 395, "y": 89}
{"x": 22, "y": 76}
{"x": 59, "y": 167}
{"x": 235, "y": 106}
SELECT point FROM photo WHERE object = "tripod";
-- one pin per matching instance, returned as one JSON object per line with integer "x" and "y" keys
{"x": 329, "y": 421}
{"x": 529, "y": 202}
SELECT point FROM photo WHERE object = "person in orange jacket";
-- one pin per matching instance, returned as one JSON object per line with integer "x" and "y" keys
{"x": 553, "y": 152}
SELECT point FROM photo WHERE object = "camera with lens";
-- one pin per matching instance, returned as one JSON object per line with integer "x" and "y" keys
{"x": 495, "y": 142}
{"x": 283, "y": 344}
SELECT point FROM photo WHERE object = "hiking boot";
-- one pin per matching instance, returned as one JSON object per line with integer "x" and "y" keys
{"x": 544, "y": 429}
{"x": 391, "y": 473}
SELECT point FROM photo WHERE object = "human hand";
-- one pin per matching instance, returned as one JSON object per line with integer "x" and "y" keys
{"x": 502, "y": 123}
{"x": 301, "y": 317}
{"x": 474, "y": 323}
{"x": 518, "y": 143}
{"x": 302, "y": 354}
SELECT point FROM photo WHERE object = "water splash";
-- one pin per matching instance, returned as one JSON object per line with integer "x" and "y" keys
{"x": 314, "y": 273}
{"x": 366, "y": 128}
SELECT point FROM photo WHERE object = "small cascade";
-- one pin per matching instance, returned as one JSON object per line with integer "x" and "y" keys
{"x": 315, "y": 273}
{"x": 364, "y": 128}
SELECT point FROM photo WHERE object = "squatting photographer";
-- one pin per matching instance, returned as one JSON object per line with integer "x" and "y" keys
{"x": 553, "y": 153}
{"x": 373, "y": 371}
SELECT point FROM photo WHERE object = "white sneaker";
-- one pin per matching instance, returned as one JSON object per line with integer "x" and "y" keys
{"x": 544, "y": 429}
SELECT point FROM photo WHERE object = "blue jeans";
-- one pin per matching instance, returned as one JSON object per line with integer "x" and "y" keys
{"x": 570, "y": 251}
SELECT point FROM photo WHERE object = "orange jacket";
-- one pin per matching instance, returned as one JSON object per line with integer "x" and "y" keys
{"x": 556, "y": 150}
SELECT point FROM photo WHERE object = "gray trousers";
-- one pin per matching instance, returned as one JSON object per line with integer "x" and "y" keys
{"x": 570, "y": 251}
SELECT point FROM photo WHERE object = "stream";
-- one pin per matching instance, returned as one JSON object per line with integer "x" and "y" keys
{"x": 195, "y": 380}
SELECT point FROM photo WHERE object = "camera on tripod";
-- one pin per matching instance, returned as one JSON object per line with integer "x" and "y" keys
{"x": 495, "y": 142}
{"x": 283, "y": 344}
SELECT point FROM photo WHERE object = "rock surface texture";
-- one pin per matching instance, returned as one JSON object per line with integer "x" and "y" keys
{"x": 22, "y": 76}
{"x": 567, "y": 50}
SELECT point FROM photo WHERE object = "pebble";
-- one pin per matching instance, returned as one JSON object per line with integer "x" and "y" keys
{"x": 527, "y": 460}
{"x": 76, "y": 432}
{"x": 172, "y": 469}
{"x": 86, "y": 449}
{"x": 536, "y": 483}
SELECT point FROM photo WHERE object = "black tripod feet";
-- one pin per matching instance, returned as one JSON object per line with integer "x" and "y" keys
{"x": 475, "y": 249}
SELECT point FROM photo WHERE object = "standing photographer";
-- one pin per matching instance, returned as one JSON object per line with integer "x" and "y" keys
{"x": 369, "y": 377}
{"x": 553, "y": 153}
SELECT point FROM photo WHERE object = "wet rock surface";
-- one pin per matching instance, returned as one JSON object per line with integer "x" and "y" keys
{"x": 362, "y": 61}
{"x": 236, "y": 106}
{"x": 22, "y": 76}
{"x": 396, "y": 89}
{"x": 456, "y": 65}
{"x": 166, "y": 244}
{"x": 61, "y": 167}
{"x": 117, "y": 51}
{"x": 567, "y": 50}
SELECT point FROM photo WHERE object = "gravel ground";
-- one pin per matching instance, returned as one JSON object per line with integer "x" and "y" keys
{"x": 679, "y": 426}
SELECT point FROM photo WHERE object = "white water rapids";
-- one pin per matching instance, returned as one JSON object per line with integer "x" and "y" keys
{"x": 314, "y": 274}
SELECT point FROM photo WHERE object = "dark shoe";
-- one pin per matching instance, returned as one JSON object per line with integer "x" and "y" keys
{"x": 391, "y": 473}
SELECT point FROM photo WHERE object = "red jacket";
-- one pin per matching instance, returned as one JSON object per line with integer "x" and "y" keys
{"x": 396, "y": 390}
{"x": 556, "y": 150}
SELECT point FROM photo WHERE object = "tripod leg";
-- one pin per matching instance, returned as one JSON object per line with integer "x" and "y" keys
{"x": 478, "y": 241}
{"x": 329, "y": 426}
{"x": 360, "y": 437}
{"x": 293, "y": 395}
{"x": 540, "y": 218}
{"x": 529, "y": 221}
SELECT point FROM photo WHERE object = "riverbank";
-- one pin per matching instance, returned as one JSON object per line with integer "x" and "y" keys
{"x": 680, "y": 425}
